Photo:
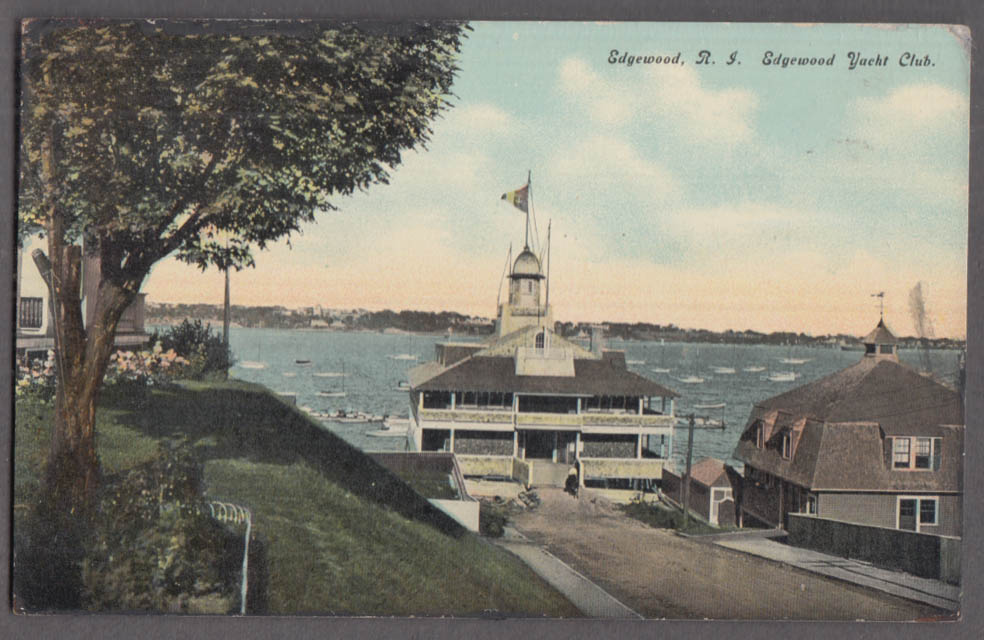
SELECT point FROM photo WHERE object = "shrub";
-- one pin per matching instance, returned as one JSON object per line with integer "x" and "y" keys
{"x": 492, "y": 519}
{"x": 206, "y": 352}
{"x": 153, "y": 547}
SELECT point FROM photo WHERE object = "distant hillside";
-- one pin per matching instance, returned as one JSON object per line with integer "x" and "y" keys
{"x": 460, "y": 324}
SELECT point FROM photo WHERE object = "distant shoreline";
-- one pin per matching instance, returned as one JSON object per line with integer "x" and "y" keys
{"x": 682, "y": 336}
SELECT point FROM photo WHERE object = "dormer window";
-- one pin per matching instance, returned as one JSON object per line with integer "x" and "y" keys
{"x": 787, "y": 445}
{"x": 916, "y": 453}
{"x": 760, "y": 435}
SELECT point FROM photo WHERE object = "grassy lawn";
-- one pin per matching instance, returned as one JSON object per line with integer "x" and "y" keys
{"x": 342, "y": 535}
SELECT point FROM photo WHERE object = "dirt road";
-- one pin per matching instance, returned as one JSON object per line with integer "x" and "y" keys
{"x": 662, "y": 575}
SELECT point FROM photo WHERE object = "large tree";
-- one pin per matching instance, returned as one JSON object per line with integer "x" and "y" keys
{"x": 140, "y": 140}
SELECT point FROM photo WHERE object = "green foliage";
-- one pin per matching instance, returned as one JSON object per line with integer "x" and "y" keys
{"x": 656, "y": 515}
{"x": 492, "y": 519}
{"x": 153, "y": 547}
{"x": 206, "y": 140}
{"x": 196, "y": 342}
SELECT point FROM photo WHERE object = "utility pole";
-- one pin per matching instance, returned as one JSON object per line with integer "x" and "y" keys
{"x": 686, "y": 477}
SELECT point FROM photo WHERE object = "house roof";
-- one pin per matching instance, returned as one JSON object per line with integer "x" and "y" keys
{"x": 498, "y": 374}
{"x": 897, "y": 398}
{"x": 710, "y": 473}
{"x": 850, "y": 457}
{"x": 880, "y": 335}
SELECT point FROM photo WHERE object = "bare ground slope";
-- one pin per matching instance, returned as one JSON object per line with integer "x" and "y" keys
{"x": 663, "y": 575}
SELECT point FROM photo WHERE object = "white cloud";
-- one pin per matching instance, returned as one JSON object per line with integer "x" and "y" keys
{"x": 671, "y": 92}
{"x": 610, "y": 162}
{"x": 910, "y": 114}
{"x": 481, "y": 118}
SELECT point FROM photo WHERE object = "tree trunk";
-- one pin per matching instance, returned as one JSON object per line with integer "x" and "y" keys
{"x": 82, "y": 356}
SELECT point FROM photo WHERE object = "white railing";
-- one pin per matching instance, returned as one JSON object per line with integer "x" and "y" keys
{"x": 235, "y": 514}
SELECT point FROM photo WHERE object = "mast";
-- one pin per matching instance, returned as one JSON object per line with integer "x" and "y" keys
{"x": 546, "y": 303}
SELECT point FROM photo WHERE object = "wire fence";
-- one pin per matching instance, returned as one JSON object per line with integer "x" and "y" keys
{"x": 229, "y": 513}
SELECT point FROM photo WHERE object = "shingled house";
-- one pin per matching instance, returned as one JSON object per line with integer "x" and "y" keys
{"x": 876, "y": 444}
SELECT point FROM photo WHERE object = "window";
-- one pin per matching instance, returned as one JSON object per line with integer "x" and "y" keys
{"x": 787, "y": 445}
{"x": 916, "y": 453}
{"x": 916, "y": 512}
{"x": 31, "y": 313}
{"x": 885, "y": 348}
{"x": 759, "y": 435}
{"x": 900, "y": 453}
{"x": 924, "y": 453}
{"x": 927, "y": 511}
{"x": 811, "y": 504}
{"x": 540, "y": 340}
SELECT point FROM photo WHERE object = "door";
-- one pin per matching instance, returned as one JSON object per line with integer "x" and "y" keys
{"x": 540, "y": 444}
{"x": 908, "y": 511}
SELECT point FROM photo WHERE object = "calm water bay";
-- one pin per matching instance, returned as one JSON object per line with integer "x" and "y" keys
{"x": 372, "y": 375}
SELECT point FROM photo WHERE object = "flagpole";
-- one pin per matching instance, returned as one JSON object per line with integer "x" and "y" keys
{"x": 529, "y": 199}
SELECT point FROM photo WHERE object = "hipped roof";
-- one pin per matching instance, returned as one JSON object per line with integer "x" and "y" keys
{"x": 498, "y": 374}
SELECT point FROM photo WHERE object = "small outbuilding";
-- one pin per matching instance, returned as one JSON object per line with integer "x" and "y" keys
{"x": 712, "y": 490}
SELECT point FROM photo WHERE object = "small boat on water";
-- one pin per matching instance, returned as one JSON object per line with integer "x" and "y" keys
{"x": 781, "y": 376}
{"x": 703, "y": 422}
{"x": 691, "y": 379}
{"x": 331, "y": 394}
{"x": 635, "y": 362}
{"x": 252, "y": 364}
{"x": 302, "y": 363}
{"x": 290, "y": 374}
{"x": 723, "y": 370}
{"x": 718, "y": 405}
{"x": 659, "y": 370}
{"x": 795, "y": 360}
{"x": 328, "y": 374}
{"x": 403, "y": 385}
{"x": 403, "y": 356}
{"x": 393, "y": 427}
{"x": 754, "y": 369}
{"x": 351, "y": 416}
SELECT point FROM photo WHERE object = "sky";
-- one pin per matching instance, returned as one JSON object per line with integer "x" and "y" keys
{"x": 742, "y": 196}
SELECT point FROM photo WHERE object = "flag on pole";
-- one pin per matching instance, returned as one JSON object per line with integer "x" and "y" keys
{"x": 520, "y": 198}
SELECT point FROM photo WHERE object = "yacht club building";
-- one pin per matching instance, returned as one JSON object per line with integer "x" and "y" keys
{"x": 529, "y": 404}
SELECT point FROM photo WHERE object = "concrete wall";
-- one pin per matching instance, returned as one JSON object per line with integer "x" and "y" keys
{"x": 522, "y": 471}
{"x": 603, "y": 446}
{"x": 920, "y": 554}
{"x": 485, "y": 465}
{"x": 465, "y": 512}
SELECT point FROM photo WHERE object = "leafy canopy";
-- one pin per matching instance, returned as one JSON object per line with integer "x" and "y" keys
{"x": 207, "y": 138}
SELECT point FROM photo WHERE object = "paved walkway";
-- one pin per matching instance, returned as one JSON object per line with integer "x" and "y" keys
{"x": 592, "y": 600}
{"x": 932, "y": 592}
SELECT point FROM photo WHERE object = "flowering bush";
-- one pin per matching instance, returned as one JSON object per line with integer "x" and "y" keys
{"x": 208, "y": 354}
{"x": 144, "y": 368}
{"x": 36, "y": 379}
